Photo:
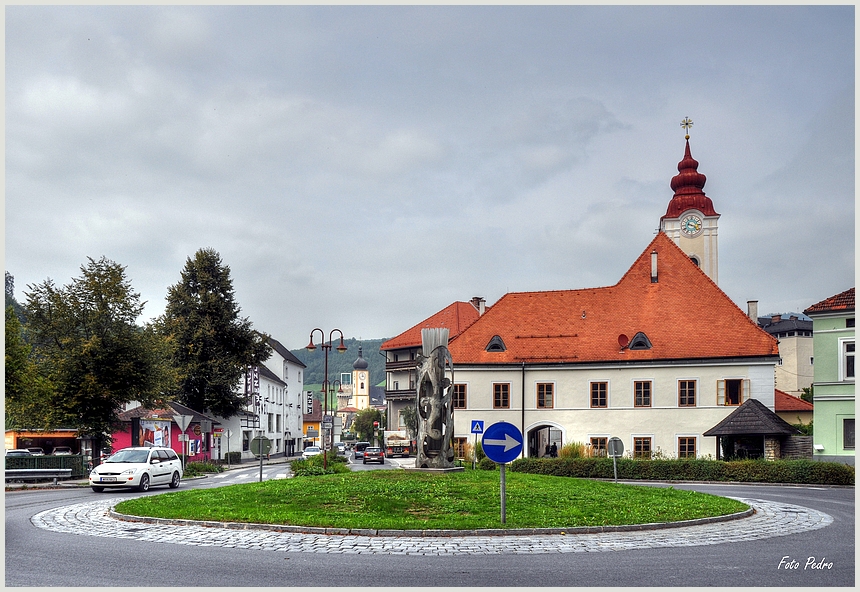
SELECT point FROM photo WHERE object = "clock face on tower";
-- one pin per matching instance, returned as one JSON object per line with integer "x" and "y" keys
{"x": 691, "y": 225}
{"x": 362, "y": 375}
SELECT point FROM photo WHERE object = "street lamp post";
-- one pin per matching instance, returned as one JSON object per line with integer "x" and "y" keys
{"x": 326, "y": 347}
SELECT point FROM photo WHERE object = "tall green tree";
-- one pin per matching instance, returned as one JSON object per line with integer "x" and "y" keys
{"x": 87, "y": 344}
{"x": 213, "y": 345}
{"x": 363, "y": 424}
{"x": 27, "y": 394}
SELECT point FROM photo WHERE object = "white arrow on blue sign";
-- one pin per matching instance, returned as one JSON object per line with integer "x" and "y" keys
{"x": 477, "y": 426}
{"x": 502, "y": 442}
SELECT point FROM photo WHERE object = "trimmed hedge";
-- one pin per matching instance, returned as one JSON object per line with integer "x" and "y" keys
{"x": 759, "y": 471}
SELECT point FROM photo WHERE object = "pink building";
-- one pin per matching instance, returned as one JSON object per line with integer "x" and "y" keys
{"x": 158, "y": 427}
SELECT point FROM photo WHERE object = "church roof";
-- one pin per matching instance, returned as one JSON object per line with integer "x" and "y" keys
{"x": 684, "y": 315}
{"x": 455, "y": 317}
{"x": 688, "y": 185}
{"x": 360, "y": 363}
{"x": 842, "y": 301}
{"x": 752, "y": 418}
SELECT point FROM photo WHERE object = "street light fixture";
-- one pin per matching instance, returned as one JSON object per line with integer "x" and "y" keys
{"x": 325, "y": 385}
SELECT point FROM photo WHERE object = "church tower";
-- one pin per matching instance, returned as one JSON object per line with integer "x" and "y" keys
{"x": 360, "y": 383}
{"x": 690, "y": 219}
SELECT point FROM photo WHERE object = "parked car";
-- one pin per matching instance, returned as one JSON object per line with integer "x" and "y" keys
{"x": 360, "y": 448}
{"x": 138, "y": 467}
{"x": 341, "y": 448}
{"x": 36, "y": 451}
{"x": 373, "y": 454}
{"x": 311, "y": 451}
{"x": 18, "y": 452}
{"x": 61, "y": 450}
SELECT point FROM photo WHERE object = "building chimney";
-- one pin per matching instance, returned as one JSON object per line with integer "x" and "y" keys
{"x": 752, "y": 310}
{"x": 776, "y": 318}
{"x": 480, "y": 304}
{"x": 653, "y": 267}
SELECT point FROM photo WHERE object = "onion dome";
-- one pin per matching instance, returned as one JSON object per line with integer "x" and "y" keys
{"x": 360, "y": 363}
{"x": 688, "y": 185}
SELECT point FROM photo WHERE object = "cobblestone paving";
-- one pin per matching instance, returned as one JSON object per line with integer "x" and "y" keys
{"x": 770, "y": 520}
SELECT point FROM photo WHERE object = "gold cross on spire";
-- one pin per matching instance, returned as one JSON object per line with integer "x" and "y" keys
{"x": 687, "y": 123}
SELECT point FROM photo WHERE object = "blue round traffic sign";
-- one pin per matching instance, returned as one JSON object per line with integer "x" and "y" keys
{"x": 502, "y": 442}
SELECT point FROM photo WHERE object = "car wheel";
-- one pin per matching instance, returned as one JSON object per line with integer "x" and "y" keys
{"x": 174, "y": 482}
{"x": 98, "y": 489}
{"x": 144, "y": 483}
{"x": 364, "y": 462}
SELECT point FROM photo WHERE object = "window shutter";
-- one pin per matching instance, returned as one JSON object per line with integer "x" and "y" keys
{"x": 721, "y": 392}
{"x": 746, "y": 390}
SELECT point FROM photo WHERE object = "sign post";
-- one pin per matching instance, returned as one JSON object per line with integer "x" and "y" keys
{"x": 502, "y": 443}
{"x": 182, "y": 421}
{"x": 615, "y": 448}
{"x": 477, "y": 428}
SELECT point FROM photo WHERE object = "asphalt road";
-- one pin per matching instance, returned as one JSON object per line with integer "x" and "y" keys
{"x": 38, "y": 557}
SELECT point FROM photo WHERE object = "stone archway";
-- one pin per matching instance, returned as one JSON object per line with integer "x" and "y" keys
{"x": 539, "y": 436}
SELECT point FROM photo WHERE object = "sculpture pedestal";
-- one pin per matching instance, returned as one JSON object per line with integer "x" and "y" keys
{"x": 435, "y": 470}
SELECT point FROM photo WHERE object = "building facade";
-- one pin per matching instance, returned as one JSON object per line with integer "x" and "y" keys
{"x": 833, "y": 386}
{"x": 274, "y": 410}
{"x": 794, "y": 371}
{"x": 656, "y": 360}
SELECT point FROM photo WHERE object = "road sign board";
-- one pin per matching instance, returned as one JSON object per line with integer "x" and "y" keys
{"x": 615, "y": 447}
{"x": 477, "y": 426}
{"x": 256, "y": 443}
{"x": 502, "y": 442}
{"x": 182, "y": 421}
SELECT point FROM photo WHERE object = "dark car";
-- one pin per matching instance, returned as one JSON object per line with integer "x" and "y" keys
{"x": 373, "y": 454}
{"x": 360, "y": 447}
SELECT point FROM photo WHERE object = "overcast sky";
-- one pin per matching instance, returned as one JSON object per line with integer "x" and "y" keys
{"x": 361, "y": 168}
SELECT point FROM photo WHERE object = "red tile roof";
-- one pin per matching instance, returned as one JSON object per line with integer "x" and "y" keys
{"x": 684, "y": 315}
{"x": 785, "y": 402}
{"x": 455, "y": 317}
{"x": 842, "y": 301}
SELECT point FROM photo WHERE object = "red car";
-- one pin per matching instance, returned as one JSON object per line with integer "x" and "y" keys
{"x": 372, "y": 454}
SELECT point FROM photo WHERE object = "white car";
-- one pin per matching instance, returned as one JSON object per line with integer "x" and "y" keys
{"x": 311, "y": 451}
{"x": 138, "y": 467}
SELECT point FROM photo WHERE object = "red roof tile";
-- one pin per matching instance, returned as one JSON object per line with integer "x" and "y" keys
{"x": 684, "y": 315}
{"x": 455, "y": 317}
{"x": 842, "y": 301}
{"x": 785, "y": 402}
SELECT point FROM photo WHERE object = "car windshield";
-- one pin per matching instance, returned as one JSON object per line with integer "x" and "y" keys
{"x": 374, "y": 450}
{"x": 312, "y": 449}
{"x": 129, "y": 456}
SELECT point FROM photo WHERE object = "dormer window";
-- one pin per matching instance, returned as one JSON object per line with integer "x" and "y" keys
{"x": 496, "y": 344}
{"x": 640, "y": 341}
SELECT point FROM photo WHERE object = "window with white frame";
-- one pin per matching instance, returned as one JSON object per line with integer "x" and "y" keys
{"x": 733, "y": 391}
{"x": 846, "y": 360}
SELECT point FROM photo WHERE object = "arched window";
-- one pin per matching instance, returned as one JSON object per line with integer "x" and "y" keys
{"x": 695, "y": 260}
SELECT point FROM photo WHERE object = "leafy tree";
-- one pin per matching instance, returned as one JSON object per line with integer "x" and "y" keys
{"x": 86, "y": 343}
{"x": 213, "y": 346}
{"x": 363, "y": 424}
{"x": 10, "y": 297}
{"x": 410, "y": 418}
{"x": 27, "y": 401}
{"x": 807, "y": 394}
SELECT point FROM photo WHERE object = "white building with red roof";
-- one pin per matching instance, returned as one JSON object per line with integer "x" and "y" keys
{"x": 657, "y": 359}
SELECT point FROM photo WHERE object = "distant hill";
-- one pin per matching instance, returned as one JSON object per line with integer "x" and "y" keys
{"x": 339, "y": 363}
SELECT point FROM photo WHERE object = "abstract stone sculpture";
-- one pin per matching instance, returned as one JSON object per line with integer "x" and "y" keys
{"x": 435, "y": 412}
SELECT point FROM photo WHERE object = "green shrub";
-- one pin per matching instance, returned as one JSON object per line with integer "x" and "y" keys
{"x": 761, "y": 471}
{"x": 234, "y": 458}
{"x": 485, "y": 464}
{"x": 195, "y": 469}
{"x": 314, "y": 466}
